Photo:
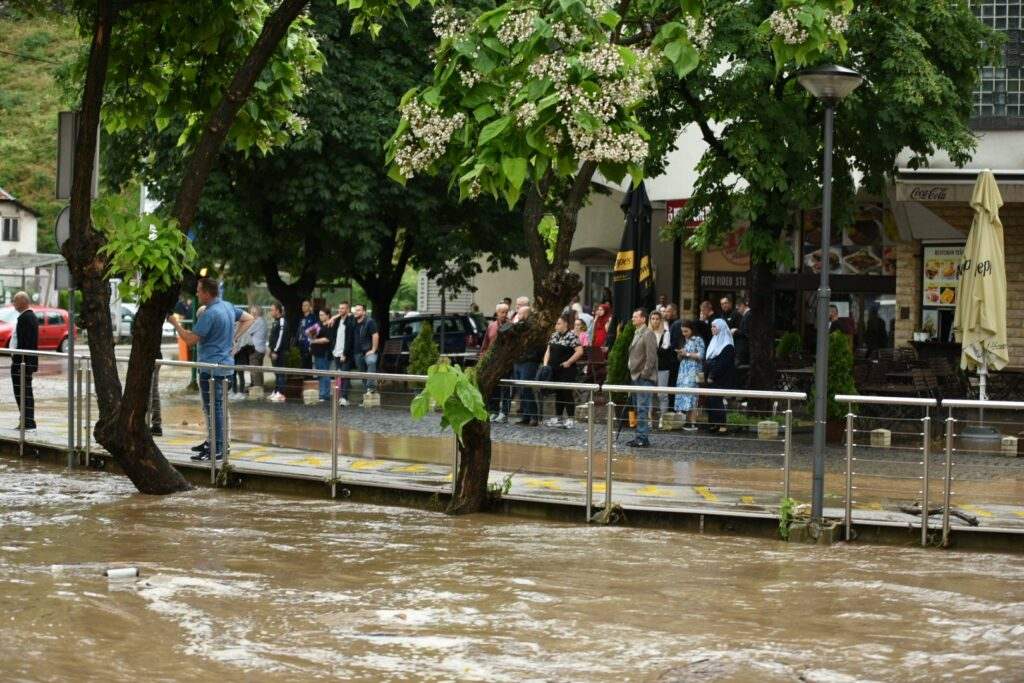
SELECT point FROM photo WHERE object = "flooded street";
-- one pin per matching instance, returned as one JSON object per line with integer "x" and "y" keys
{"x": 238, "y": 585}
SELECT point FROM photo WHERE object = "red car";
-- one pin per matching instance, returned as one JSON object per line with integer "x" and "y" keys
{"x": 53, "y": 327}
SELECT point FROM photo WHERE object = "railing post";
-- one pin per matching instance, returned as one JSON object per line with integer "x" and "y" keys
{"x": 87, "y": 381}
{"x": 848, "y": 512}
{"x": 927, "y": 429}
{"x": 23, "y": 404}
{"x": 948, "y": 484}
{"x": 608, "y": 461}
{"x": 787, "y": 455}
{"x": 226, "y": 426}
{"x": 334, "y": 438}
{"x": 590, "y": 453}
{"x": 79, "y": 381}
{"x": 211, "y": 423}
{"x": 71, "y": 401}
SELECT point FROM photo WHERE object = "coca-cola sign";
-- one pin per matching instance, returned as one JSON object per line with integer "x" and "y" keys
{"x": 933, "y": 193}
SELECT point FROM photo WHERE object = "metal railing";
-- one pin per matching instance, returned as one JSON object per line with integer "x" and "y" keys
{"x": 920, "y": 446}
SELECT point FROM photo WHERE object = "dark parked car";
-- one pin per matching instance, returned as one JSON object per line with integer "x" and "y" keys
{"x": 463, "y": 332}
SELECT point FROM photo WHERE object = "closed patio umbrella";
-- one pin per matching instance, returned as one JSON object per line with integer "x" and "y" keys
{"x": 979, "y": 323}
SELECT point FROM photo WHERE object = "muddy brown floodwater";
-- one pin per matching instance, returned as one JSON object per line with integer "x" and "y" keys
{"x": 241, "y": 586}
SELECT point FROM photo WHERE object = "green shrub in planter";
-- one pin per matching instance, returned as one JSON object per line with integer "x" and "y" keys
{"x": 790, "y": 344}
{"x": 294, "y": 358}
{"x": 840, "y": 375}
{"x": 618, "y": 360}
{"x": 423, "y": 352}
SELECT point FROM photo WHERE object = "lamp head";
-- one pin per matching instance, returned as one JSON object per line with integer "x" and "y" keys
{"x": 829, "y": 82}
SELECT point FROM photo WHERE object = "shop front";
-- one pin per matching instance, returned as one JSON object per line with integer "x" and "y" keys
{"x": 933, "y": 214}
{"x": 862, "y": 276}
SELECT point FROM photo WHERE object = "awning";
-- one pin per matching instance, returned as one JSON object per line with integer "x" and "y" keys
{"x": 938, "y": 186}
{"x": 592, "y": 256}
{"x": 19, "y": 260}
{"x": 935, "y": 204}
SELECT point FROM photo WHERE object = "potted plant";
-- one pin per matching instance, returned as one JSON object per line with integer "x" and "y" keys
{"x": 840, "y": 381}
{"x": 423, "y": 351}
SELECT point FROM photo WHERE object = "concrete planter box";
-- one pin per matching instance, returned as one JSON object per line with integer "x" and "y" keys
{"x": 767, "y": 430}
{"x": 881, "y": 438}
{"x": 310, "y": 396}
{"x": 1010, "y": 446}
{"x": 255, "y": 393}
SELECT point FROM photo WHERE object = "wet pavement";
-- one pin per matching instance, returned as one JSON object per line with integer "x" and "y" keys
{"x": 697, "y": 481}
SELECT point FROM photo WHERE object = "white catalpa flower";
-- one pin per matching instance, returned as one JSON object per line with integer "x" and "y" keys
{"x": 517, "y": 27}
{"x": 447, "y": 24}
{"x": 784, "y": 24}
{"x": 700, "y": 33}
{"x": 427, "y": 139}
{"x": 153, "y": 233}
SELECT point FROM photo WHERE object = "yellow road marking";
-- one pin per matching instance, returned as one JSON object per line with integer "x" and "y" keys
{"x": 367, "y": 464}
{"x": 310, "y": 461}
{"x": 414, "y": 468}
{"x": 706, "y": 493}
{"x": 981, "y": 512}
{"x": 247, "y": 453}
{"x": 264, "y": 458}
{"x": 598, "y": 487}
{"x": 543, "y": 484}
{"x": 179, "y": 442}
{"x": 654, "y": 491}
{"x": 1019, "y": 514}
{"x": 448, "y": 477}
{"x": 747, "y": 500}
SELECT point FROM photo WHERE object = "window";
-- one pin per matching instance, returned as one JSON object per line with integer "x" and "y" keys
{"x": 10, "y": 233}
{"x": 54, "y": 319}
{"x": 1000, "y": 92}
{"x": 1002, "y": 15}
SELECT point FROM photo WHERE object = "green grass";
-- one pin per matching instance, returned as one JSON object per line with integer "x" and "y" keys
{"x": 30, "y": 98}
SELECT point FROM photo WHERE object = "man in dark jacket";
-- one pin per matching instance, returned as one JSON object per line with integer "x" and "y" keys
{"x": 280, "y": 342}
{"x": 344, "y": 347}
{"x": 25, "y": 337}
{"x": 741, "y": 335}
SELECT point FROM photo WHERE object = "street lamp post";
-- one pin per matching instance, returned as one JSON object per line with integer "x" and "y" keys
{"x": 830, "y": 84}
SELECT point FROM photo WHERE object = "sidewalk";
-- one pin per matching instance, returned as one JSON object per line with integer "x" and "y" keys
{"x": 425, "y": 467}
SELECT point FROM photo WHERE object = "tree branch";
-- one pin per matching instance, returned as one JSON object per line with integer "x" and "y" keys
{"x": 701, "y": 119}
{"x": 219, "y": 122}
{"x": 571, "y": 205}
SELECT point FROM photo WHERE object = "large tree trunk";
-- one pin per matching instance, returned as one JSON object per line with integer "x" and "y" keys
{"x": 553, "y": 288}
{"x": 122, "y": 427}
{"x": 762, "y": 322}
{"x": 130, "y": 444}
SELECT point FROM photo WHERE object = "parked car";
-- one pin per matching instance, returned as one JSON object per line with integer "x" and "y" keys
{"x": 462, "y": 332}
{"x": 128, "y": 311}
{"x": 53, "y": 327}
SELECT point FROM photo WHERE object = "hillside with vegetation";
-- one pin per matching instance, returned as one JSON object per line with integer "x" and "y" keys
{"x": 33, "y": 51}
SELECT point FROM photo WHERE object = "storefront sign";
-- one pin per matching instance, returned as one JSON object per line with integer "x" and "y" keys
{"x": 941, "y": 275}
{"x": 674, "y": 207}
{"x": 933, "y": 193}
{"x": 723, "y": 280}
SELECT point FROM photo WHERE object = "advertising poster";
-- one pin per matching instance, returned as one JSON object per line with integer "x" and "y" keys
{"x": 861, "y": 249}
{"x": 940, "y": 275}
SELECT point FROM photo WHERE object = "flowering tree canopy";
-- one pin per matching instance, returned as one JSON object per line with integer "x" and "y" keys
{"x": 534, "y": 89}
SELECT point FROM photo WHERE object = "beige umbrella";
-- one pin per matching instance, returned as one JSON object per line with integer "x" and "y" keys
{"x": 980, "y": 320}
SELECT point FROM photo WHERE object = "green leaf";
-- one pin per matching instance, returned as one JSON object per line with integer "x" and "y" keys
{"x": 441, "y": 383}
{"x": 610, "y": 19}
{"x": 494, "y": 129}
{"x": 515, "y": 170}
{"x": 484, "y": 112}
{"x": 420, "y": 406}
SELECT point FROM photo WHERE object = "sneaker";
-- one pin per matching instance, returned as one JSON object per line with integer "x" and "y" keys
{"x": 239, "y": 396}
{"x": 156, "y": 431}
{"x": 534, "y": 422}
{"x": 553, "y": 422}
{"x": 205, "y": 457}
{"x": 569, "y": 423}
{"x": 494, "y": 417}
{"x": 277, "y": 398}
{"x": 690, "y": 428}
{"x": 342, "y": 401}
{"x": 639, "y": 442}
{"x": 502, "y": 418}
{"x": 204, "y": 446}
{"x": 525, "y": 422}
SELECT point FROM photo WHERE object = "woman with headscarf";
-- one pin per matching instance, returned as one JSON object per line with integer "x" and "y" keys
{"x": 720, "y": 372}
{"x": 601, "y": 322}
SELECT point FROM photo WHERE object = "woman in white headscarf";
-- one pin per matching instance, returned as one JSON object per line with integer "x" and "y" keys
{"x": 720, "y": 371}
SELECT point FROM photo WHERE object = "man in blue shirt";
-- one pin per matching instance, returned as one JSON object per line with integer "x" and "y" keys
{"x": 217, "y": 335}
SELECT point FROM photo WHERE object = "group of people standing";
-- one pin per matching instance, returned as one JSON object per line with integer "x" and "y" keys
{"x": 664, "y": 351}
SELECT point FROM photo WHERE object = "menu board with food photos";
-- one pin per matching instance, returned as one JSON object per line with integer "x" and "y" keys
{"x": 940, "y": 275}
{"x": 863, "y": 248}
